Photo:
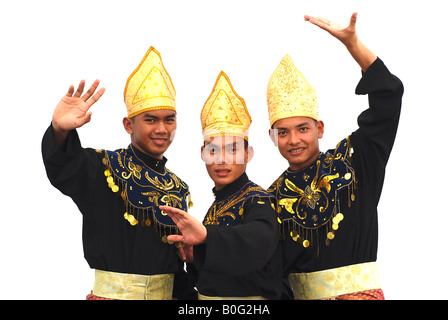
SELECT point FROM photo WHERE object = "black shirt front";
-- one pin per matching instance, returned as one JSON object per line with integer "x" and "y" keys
{"x": 242, "y": 260}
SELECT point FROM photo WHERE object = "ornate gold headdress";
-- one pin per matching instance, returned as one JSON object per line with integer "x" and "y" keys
{"x": 225, "y": 113}
{"x": 289, "y": 94}
{"x": 149, "y": 87}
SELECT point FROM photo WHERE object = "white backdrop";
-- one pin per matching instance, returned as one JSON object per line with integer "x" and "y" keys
{"x": 48, "y": 45}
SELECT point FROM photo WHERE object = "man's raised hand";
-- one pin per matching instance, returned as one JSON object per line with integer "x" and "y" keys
{"x": 72, "y": 111}
{"x": 347, "y": 35}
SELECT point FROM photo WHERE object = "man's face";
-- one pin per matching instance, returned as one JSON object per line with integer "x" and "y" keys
{"x": 153, "y": 131}
{"x": 297, "y": 139}
{"x": 225, "y": 159}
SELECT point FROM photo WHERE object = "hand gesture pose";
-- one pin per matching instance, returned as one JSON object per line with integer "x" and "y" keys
{"x": 72, "y": 111}
{"x": 193, "y": 232}
{"x": 348, "y": 36}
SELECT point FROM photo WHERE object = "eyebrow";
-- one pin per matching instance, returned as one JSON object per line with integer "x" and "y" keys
{"x": 147, "y": 115}
{"x": 213, "y": 145}
{"x": 297, "y": 126}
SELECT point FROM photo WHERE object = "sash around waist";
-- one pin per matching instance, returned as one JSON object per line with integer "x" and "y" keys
{"x": 202, "y": 297}
{"x": 335, "y": 282}
{"x": 124, "y": 286}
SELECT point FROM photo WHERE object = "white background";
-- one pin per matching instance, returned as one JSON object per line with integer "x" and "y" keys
{"x": 48, "y": 45}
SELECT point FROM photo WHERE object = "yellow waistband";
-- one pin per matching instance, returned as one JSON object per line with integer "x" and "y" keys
{"x": 133, "y": 286}
{"x": 202, "y": 297}
{"x": 335, "y": 282}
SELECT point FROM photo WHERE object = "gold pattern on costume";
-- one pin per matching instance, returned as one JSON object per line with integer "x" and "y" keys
{"x": 134, "y": 170}
{"x": 305, "y": 206}
{"x": 289, "y": 94}
{"x": 231, "y": 206}
{"x": 287, "y": 203}
{"x": 311, "y": 197}
{"x": 224, "y": 113}
{"x": 166, "y": 185}
{"x": 143, "y": 190}
{"x": 149, "y": 87}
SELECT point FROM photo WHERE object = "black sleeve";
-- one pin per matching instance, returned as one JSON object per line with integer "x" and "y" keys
{"x": 73, "y": 169}
{"x": 240, "y": 249}
{"x": 379, "y": 123}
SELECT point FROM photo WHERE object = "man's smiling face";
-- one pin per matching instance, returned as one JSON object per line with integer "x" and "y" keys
{"x": 153, "y": 131}
{"x": 297, "y": 139}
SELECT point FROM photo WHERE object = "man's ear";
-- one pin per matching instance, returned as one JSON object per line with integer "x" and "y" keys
{"x": 250, "y": 154}
{"x": 127, "y": 123}
{"x": 320, "y": 129}
{"x": 202, "y": 153}
{"x": 273, "y": 133}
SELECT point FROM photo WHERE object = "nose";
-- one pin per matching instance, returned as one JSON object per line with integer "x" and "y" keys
{"x": 294, "y": 138}
{"x": 161, "y": 128}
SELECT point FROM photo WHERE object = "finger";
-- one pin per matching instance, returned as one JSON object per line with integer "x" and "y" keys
{"x": 353, "y": 19}
{"x": 320, "y": 22}
{"x": 175, "y": 238}
{"x": 91, "y": 90}
{"x": 80, "y": 89}
{"x": 96, "y": 97}
{"x": 182, "y": 254}
{"x": 173, "y": 215}
{"x": 85, "y": 119}
{"x": 70, "y": 91}
{"x": 172, "y": 210}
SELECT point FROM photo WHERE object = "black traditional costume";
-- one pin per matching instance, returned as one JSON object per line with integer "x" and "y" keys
{"x": 241, "y": 258}
{"x": 119, "y": 193}
{"x": 329, "y": 209}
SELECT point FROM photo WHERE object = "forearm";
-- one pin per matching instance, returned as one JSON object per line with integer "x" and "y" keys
{"x": 362, "y": 55}
{"x": 240, "y": 249}
{"x": 60, "y": 136}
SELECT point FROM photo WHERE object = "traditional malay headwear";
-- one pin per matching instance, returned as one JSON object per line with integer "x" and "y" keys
{"x": 289, "y": 94}
{"x": 149, "y": 87}
{"x": 225, "y": 113}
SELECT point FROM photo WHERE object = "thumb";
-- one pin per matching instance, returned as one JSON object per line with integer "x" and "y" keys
{"x": 353, "y": 20}
{"x": 82, "y": 121}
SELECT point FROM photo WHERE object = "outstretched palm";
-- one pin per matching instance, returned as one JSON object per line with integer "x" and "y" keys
{"x": 347, "y": 35}
{"x": 72, "y": 111}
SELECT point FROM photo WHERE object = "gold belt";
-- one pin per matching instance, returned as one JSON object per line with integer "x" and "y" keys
{"x": 123, "y": 286}
{"x": 335, "y": 282}
{"x": 202, "y": 297}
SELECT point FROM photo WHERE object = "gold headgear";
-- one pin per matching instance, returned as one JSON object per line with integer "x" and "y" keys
{"x": 289, "y": 94}
{"x": 149, "y": 87}
{"x": 225, "y": 113}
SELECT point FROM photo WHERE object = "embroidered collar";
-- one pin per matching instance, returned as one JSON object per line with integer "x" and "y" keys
{"x": 230, "y": 188}
{"x": 151, "y": 162}
{"x": 144, "y": 183}
{"x": 228, "y": 207}
{"x": 308, "y": 199}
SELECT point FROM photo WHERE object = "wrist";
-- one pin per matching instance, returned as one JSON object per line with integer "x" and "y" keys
{"x": 57, "y": 128}
{"x": 203, "y": 236}
{"x": 353, "y": 44}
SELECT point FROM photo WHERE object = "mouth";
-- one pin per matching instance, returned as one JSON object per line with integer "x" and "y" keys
{"x": 159, "y": 141}
{"x": 296, "y": 151}
{"x": 222, "y": 172}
